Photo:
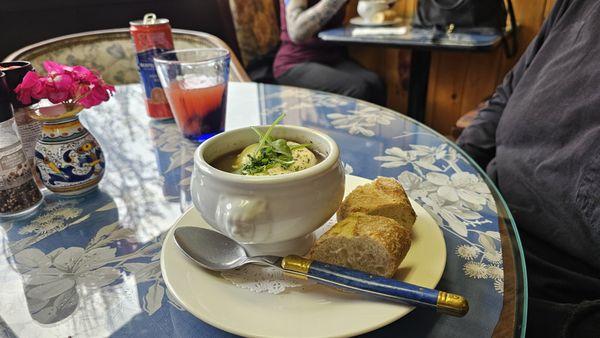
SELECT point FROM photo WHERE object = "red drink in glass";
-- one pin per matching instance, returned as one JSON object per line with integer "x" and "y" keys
{"x": 198, "y": 107}
{"x": 195, "y": 83}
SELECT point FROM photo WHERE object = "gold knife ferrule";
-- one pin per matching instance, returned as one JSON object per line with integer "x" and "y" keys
{"x": 296, "y": 266}
{"x": 452, "y": 304}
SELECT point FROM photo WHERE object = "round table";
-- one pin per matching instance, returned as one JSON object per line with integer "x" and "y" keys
{"x": 117, "y": 231}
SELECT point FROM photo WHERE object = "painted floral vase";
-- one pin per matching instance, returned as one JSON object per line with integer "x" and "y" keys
{"x": 68, "y": 158}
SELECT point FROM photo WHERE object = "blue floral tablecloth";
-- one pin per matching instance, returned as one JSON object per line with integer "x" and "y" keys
{"x": 89, "y": 266}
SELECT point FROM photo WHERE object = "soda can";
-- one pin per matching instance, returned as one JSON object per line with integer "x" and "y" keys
{"x": 152, "y": 36}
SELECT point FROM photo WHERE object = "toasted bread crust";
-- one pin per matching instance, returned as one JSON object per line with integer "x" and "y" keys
{"x": 383, "y": 197}
{"x": 384, "y": 234}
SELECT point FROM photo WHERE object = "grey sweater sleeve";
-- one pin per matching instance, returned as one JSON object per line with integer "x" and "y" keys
{"x": 479, "y": 139}
{"x": 304, "y": 22}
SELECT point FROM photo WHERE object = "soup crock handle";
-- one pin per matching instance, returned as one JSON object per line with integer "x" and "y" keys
{"x": 238, "y": 215}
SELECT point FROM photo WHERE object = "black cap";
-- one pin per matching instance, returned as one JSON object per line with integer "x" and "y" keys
{"x": 14, "y": 75}
{"x": 6, "y": 112}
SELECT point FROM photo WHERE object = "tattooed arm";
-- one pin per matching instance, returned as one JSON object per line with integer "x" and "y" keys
{"x": 302, "y": 23}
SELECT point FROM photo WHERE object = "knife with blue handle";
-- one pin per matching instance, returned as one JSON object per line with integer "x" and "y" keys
{"x": 380, "y": 287}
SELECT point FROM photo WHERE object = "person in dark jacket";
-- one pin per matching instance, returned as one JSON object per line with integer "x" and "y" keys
{"x": 539, "y": 139}
{"x": 305, "y": 61}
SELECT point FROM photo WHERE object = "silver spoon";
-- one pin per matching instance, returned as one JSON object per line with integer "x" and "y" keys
{"x": 215, "y": 251}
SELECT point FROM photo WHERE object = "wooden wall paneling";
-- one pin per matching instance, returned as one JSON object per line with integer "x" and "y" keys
{"x": 392, "y": 65}
{"x": 530, "y": 16}
{"x": 351, "y": 10}
{"x": 369, "y": 57}
{"x": 458, "y": 82}
{"x": 405, "y": 8}
{"x": 394, "y": 68}
{"x": 549, "y": 5}
{"x": 446, "y": 84}
{"x": 390, "y": 73}
{"x": 481, "y": 81}
{"x": 396, "y": 77}
{"x": 430, "y": 104}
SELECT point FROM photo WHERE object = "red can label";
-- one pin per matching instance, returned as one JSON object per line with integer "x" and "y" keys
{"x": 151, "y": 40}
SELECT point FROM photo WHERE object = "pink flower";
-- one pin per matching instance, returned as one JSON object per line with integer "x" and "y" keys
{"x": 53, "y": 68}
{"x": 65, "y": 84}
{"x": 32, "y": 86}
{"x": 96, "y": 94}
{"x": 84, "y": 74}
{"x": 59, "y": 88}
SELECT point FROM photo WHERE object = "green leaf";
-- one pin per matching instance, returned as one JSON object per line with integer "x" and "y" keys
{"x": 266, "y": 136}
{"x": 298, "y": 146}
{"x": 280, "y": 146}
{"x": 260, "y": 135}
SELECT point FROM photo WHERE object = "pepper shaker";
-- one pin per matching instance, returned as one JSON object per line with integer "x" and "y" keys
{"x": 18, "y": 192}
{"x": 30, "y": 130}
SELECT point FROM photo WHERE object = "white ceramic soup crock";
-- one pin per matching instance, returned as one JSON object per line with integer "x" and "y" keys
{"x": 268, "y": 215}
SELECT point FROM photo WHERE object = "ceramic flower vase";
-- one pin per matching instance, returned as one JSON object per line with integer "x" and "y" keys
{"x": 68, "y": 158}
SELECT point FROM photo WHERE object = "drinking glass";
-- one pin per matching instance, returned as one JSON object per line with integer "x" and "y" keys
{"x": 195, "y": 83}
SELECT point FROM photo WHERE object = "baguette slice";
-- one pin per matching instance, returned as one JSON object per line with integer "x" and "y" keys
{"x": 382, "y": 197}
{"x": 372, "y": 244}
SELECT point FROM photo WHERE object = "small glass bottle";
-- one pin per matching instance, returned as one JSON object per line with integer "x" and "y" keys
{"x": 18, "y": 192}
{"x": 30, "y": 130}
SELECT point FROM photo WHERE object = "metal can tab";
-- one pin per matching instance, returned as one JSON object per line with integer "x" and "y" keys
{"x": 149, "y": 19}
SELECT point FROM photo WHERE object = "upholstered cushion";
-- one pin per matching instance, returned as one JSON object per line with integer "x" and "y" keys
{"x": 111, "y": 53}
{"x": 256, "y": 27}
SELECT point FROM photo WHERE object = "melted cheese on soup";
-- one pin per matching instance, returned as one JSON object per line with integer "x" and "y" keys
{"x": 303, "y": 158}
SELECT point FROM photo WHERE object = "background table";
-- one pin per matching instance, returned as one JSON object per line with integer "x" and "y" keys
{"x": 89, "y": 265}
{"x": 421, "y": 42}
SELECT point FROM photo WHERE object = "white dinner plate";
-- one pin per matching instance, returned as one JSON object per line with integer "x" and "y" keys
{"x": 359, "y": 21}
{"x": 315, "y": 311}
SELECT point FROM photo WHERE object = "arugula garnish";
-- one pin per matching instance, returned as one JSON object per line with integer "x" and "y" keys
{"x": 270, "y": 152}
